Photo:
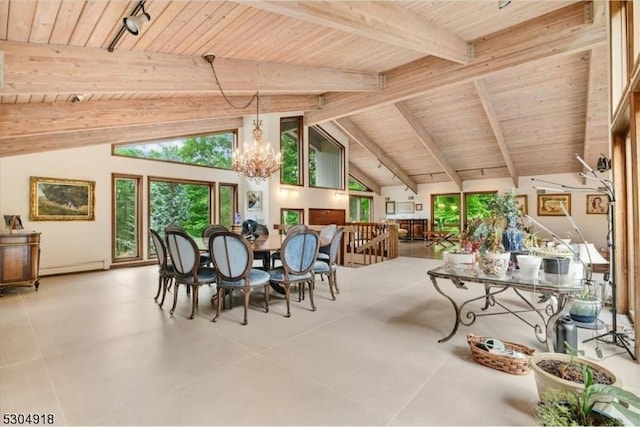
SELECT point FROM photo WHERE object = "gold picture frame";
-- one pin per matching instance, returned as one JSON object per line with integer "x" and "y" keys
{"x": 59, "y": 199}
{"x": 549, "y": 204}
{"x": 597, "y": 204}
{"x": 523, "y": 204}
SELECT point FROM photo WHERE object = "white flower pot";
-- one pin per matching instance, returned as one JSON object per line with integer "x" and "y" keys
{"x": 495, "y": 265}
{"x": 529, "y": 266}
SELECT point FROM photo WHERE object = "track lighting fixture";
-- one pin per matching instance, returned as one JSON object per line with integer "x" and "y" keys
{"x": 133, "y": 24}
{"x": 604, "y": 164}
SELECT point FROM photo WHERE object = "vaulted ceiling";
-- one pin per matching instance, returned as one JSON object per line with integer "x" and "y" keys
{"x": 427, "y": 91}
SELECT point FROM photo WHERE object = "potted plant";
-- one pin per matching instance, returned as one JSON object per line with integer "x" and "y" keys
{"x": 569, "y": 408}
{"x": 494, "y": 260}
{"x": 504, "y": 207}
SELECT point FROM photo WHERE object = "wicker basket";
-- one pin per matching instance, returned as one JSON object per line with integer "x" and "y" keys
{"x": 507, "y": 364}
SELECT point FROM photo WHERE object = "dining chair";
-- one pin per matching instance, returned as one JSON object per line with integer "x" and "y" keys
{"x": 299, "y": 252}
{"x": 165, "y": 268}
{"x": 205, "y": 259}
{"x": 326, "y": 235}
{"x": 294, "y": 229}
{"x": 233, "y": 258}
{"x": 330, "y": 267}
{"x": 185, "y": 258}
{"x": 261, "y": 231}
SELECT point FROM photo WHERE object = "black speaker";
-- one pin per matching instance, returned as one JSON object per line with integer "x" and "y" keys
{"x": 604, "y": 164}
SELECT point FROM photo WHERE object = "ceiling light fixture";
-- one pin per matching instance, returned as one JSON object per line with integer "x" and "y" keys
{"x": 258, "y": 161}
{"x": 503, "y": 3}
{"x": 482, "y": 172}
{"x": 132, "y": 23}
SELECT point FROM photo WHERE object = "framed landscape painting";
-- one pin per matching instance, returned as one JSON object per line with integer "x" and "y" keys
{"x": 58, "y": 199}
{"x": 405, "y": 207}
{"x": 551, "y": 204}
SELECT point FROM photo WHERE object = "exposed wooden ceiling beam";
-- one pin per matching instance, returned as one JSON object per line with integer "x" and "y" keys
{"x": 355, "y": 133}
{"x": 382, "y": 21}
{"x": 22, "y": 120}
{"x": 31, "y": 68}
{"x": 428, "y": 143}
{"x": 364, "y": 179}
{"x": 14, "y": 146}
{"x": 492, "y": 116}
{"x": 556, "y": 34}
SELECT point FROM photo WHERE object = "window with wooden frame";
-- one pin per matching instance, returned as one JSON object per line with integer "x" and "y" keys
{"x": 126, "y": 218}
{"x": 291, "y": 132}
{"x": 326, "y": 160}
{"x": 227, "y": 204}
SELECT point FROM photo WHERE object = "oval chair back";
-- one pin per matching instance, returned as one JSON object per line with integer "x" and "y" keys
{"x": 299, "y": 252}
{"x": 295, "y": 229}
{"x": 334, "y": 249}
{"x": 213, "y": 229}
{"x": 232, "y": 255}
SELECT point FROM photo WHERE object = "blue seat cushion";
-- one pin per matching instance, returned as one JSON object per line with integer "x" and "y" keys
{"x": 205, "y": 275}
{"x": 321, "y": 267}
{"x": 256, "y": 278}
{"x": 277, "y": 275}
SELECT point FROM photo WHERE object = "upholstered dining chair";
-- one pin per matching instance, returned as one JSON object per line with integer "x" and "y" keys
{"x": 299, "y": 252}
{"x": 205, "y": 259}
{"x": 185, "y": 258}
{"x": 327, "y": 234}
{"x": 330, "y": 266}
{"x": 165, "y": 268}
{"x": 233, "y": 258}
{"x": 294, "y": 229}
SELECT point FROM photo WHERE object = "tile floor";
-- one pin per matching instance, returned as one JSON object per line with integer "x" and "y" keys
{"x": 94, "y": 349}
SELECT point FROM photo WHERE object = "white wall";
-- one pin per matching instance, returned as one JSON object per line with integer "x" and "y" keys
{"x": 593, "y": 227}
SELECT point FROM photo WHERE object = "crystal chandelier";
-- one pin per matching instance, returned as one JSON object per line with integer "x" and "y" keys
{"x": 258, "y": 161}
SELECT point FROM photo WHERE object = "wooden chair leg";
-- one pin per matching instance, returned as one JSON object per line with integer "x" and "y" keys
{"x": 194, "y": 300}
{"x": 333, "y": 296}
{"x": 312, "y": 285}
{"x": 245, "y": 297}
{"x": 220, "y": 298}
{"x": 166, "y": 282}
{"x": 175, "y": 297}
{"x": 266, "y": 297}
{"x": 287, "y": 295}
{"x": 160, "y": 281}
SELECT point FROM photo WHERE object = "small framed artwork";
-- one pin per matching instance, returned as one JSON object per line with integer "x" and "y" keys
{"x": 254, "y": 200}
{"x": 13, "y": 222}
{"x": 57, "y": 199}
{"x": 405, "y": 207}
{"x": 390, "y": 208}
{"x": 418, "y": 207}
{"x": 596, "y": 204}
{"x": 522, "y": 205}
{"x": 551, "y": 204}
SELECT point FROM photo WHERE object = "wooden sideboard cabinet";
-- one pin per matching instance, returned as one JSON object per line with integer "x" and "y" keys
{"x": 19, "y": 258}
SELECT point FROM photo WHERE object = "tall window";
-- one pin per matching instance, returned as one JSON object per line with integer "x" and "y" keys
{"x": 126, "y": 217}
{"x": 445, "y": 211}
{"x": 326, "y": 163}
{"x": 214, "y": 150}
{"x": 476, "y": 206}
{"x": 360, "y": 208}
{"x": 356, "y": 185}
{"x": 291, "y": 149}
{"x": 291, "y": 216}
{"x": 227, "y": 204}
{"x": 183, "y": 203}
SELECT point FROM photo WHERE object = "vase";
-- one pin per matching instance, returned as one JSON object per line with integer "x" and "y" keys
{"x": 459, "y": 263}
{"x": 512, "y": 237}
{"x": 495, "y": 264}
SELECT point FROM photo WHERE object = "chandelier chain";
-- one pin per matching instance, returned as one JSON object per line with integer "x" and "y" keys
{"x": 210, "y": 59}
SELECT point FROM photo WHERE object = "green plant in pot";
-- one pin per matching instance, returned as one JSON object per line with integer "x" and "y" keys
{"x": 587, "y": 306}
{"x": 578, "y": 408}
{"x": 494, "y": 261}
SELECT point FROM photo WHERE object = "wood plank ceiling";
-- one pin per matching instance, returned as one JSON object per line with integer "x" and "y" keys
{"x": 428, "y": 91}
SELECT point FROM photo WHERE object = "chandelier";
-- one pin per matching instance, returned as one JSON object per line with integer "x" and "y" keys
{"x": 258, "y": 161}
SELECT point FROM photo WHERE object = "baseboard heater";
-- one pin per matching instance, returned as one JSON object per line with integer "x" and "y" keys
{"x": 74, "y": 268}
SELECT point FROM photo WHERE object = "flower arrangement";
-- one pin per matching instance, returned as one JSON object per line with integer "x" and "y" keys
{"x": 489, "y": 236}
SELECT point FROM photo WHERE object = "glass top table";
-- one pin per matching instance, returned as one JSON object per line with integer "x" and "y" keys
{"x": 556, "y": 298}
